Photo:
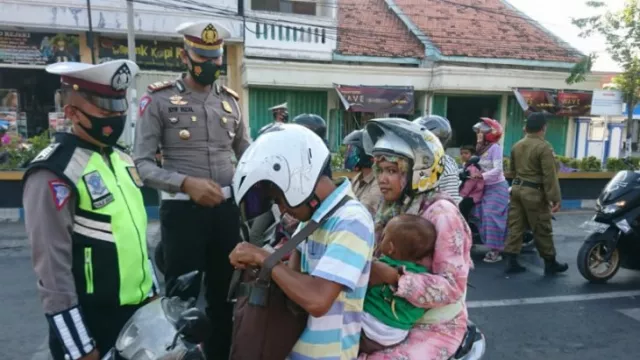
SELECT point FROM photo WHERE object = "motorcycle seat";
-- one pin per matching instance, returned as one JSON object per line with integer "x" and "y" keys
{"x": 467, "y": 342}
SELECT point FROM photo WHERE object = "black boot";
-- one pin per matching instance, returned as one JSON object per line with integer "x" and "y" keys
{"x": 552, "y": 267}
{"x": 513, "y": 266}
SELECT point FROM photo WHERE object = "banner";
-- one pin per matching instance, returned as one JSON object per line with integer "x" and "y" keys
{"x": 556, "y": 102}
{"x": 37, "y": 48}
{"x": 377, "y": 99}
{"x": 150, "y": 54}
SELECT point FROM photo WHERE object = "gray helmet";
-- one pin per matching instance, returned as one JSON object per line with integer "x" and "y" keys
{"x": 438, "y": 125}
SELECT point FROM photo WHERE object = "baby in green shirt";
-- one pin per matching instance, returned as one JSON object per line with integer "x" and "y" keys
{"x": 405, "y": 242}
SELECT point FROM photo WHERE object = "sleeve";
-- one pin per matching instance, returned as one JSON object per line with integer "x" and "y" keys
{"x": 550, "y": 182}
{"x": 451, "y": 261}
{"x": 242, "y": 140}
{"x": 148, "y": 137}
{"x": 497, "y": 171}
{"x": 348, "y": 252}
{"x": 48, "y": 205}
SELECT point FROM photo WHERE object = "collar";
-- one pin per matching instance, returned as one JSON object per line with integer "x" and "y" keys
{"x": 534, "y": 136}
{"x": 75, "y": 140}
{"x": 343, "y": 189}
{"x": 369, "y": 178}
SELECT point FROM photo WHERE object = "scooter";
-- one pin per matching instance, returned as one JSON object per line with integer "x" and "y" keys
{"x": 613, "y": 242}
{"x": 164, "y": 329}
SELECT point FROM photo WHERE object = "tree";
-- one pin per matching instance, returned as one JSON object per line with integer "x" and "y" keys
{"x": 621, "y": 31}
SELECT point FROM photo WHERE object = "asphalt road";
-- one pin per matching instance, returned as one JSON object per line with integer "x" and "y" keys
{"x": 526, "y": 316}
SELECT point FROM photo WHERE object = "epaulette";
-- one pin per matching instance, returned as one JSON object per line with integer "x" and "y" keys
{"x": 160, "y": 85}
{"x": 231, "y": 92}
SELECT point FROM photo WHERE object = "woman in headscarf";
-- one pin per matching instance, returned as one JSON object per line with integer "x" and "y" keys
{"x": 493, "y": 209}
{"x": 409, "y": 161}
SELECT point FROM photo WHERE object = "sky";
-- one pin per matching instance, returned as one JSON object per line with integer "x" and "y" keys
{"x": 555, "y": 15}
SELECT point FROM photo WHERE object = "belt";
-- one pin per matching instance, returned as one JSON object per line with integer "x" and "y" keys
{"x": 226, "y": 191}
{"x": 527, "y": 184}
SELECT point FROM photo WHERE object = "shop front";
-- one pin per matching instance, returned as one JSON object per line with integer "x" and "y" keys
{"x": 27, "y": 92}
{"x": 356, "y": 105}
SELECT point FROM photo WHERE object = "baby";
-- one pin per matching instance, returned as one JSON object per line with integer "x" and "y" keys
{"x": 406, "y": 241}
{"x": 472, "y": 187}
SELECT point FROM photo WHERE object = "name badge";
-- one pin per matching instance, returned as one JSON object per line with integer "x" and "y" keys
{"x": 100, "y": 195}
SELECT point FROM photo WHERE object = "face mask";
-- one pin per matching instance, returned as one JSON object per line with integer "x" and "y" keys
{"x": 204, "y": 73}
{"x": 105, "y": 130}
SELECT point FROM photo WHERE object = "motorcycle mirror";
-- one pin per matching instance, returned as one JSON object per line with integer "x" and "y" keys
{"x": 194, "y": 326}
{"x": 185, "y": 281}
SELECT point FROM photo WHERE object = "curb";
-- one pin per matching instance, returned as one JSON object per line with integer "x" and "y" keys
{"x": 153, "y": 212}
{"x": 17, "y": 214}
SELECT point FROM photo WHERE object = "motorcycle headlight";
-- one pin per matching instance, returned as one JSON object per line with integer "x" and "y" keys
{"x": 612, "y": 208}
{"x": 128, "y": 335}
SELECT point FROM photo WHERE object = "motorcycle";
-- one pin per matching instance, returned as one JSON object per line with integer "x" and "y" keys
{"x": 612, "y": 242}
{"x": 164, "y": 329}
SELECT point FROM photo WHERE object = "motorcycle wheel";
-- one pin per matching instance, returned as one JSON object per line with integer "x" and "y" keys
{"x": 591, "y": 258}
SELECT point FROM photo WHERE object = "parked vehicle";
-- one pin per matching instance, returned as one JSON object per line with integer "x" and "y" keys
{"x": 614, "y": 231}
{"x": 164, "y": 329}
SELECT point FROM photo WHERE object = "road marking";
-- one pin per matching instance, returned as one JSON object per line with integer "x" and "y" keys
{"x": 551, "y": 299}
{"x": 633, "y": 313}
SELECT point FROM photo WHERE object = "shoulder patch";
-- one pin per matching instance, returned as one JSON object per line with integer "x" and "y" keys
{"x": 46, "y": 152}
{"x": 231, "y": 92}
{"x": 144, "y": 102}
{"x": 61, "y": 193}
{"x": 160, "y": 85}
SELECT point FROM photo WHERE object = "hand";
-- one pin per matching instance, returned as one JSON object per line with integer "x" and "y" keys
{"x": 204, "y": 192}
{"x": 289, "y": 223}
{"x": 476, "y": 176}
{"x": 382, "y": 273}
{"x": 246, "y": 255}
{"x": 91, "y": 356}
{"x": 555, "y": 207}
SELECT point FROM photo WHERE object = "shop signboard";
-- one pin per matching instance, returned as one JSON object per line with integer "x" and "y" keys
{"x": 568, "y": 103}
{"x": 31, "y": 48}
{"x": 377, "y": 99}
{"x": 150, "y": 54}
{"x": 607, "y": 103}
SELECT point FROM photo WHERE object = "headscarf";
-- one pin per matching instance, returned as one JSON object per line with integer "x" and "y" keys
{"x": 482, "y": 147}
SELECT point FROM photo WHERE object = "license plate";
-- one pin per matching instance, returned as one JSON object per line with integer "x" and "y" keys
{"x": 594, "y": 226}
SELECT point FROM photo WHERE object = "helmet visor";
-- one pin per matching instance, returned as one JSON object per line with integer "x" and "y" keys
{"x": 256, "y": 202}
{"x": 351, "y": 157}
{"x": 481, "y": 127}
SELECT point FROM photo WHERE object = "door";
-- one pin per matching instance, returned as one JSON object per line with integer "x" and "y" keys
{"x": 439, "y": 105}
{"x": 298, "y": 102}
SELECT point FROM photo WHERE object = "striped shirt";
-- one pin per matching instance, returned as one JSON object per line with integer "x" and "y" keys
{"x": 339, "y": 251}
{"x": 450, "y": 179}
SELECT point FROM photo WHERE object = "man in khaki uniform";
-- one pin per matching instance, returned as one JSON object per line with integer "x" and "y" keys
{"x": 198, "y": 125}
{"x": 535, "y": 194}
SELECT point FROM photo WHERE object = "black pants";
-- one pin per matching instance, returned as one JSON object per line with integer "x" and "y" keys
{"x": 104, "y": 326}
{"x": 200, "y": 238}
{"x": 466, "y": 205}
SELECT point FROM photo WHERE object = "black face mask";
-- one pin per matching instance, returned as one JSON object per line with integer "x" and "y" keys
{"x": 106, "y": 130}
{"x": 204, "y": 73}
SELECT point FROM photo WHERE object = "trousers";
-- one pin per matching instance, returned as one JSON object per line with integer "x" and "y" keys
{"x": 104, "y": 326}
{"x": 529, "y": 207}
{"x": 200, "y": 238}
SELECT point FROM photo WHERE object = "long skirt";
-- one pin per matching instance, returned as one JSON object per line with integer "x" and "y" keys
{"x": 491, "y": 215}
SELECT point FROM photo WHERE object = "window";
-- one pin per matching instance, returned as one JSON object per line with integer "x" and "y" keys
{"x": 303, "y": 7}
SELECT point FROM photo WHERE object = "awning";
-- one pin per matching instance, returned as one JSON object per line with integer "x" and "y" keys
{"x": 570, "y": 103}
{"x": 377, "y": 99}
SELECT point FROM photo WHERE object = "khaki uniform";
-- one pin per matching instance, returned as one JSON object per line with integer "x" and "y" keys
{"x": 534, "y": 187}
{"x": 367, "y": 191}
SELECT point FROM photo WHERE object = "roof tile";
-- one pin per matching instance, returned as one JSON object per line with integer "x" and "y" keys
{"x": 370, "y": 28}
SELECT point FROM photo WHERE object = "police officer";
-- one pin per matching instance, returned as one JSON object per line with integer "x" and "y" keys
{"x": 280, "y": 113}
{"x": 85, "y": 217}
{"x": 450, "y": 180}
{"x": 199, "y": 126}
{"x": 535, "y": 194}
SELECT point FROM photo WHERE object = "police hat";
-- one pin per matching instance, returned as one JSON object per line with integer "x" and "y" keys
{"x": 282, "y": 106}
{"x": 204, "y": 38}
{"x": 104, "y": 85}
{"x": 536, "y": 121}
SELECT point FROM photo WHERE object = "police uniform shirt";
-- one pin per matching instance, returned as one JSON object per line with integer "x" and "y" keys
{"x": 199, "y": 132}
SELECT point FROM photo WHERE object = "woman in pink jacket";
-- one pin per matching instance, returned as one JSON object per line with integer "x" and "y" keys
{"x": 409, "y": 161}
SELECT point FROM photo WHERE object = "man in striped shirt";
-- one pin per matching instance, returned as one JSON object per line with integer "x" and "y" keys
{"x": 450, "y": 179}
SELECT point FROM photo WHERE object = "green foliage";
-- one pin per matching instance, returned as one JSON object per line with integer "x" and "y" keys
{"x": 590, "y": 163}
{"x": 615, "y": 164}
{"x": 21, "y": 152}
{"x": 621, "y": 31}
{"x": 337, "y": 159}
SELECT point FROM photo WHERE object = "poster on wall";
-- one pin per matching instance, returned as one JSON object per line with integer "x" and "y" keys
{"x": 150, "y": 54}
{"x": 377, "y": 99}
{"x": 58, "y": 123}
{"x": 570, "y": 103}
{"x": 37, "y": 48}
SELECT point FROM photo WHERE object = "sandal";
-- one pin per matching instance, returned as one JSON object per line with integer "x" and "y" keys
{"x": 492, "y": 256}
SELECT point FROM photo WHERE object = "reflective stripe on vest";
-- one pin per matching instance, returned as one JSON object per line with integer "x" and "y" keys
{"x": 111, "y": 219}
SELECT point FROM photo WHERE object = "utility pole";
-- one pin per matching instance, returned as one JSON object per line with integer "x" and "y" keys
{"x": 90, "y": 34}
{"x": 133, "y": 96}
